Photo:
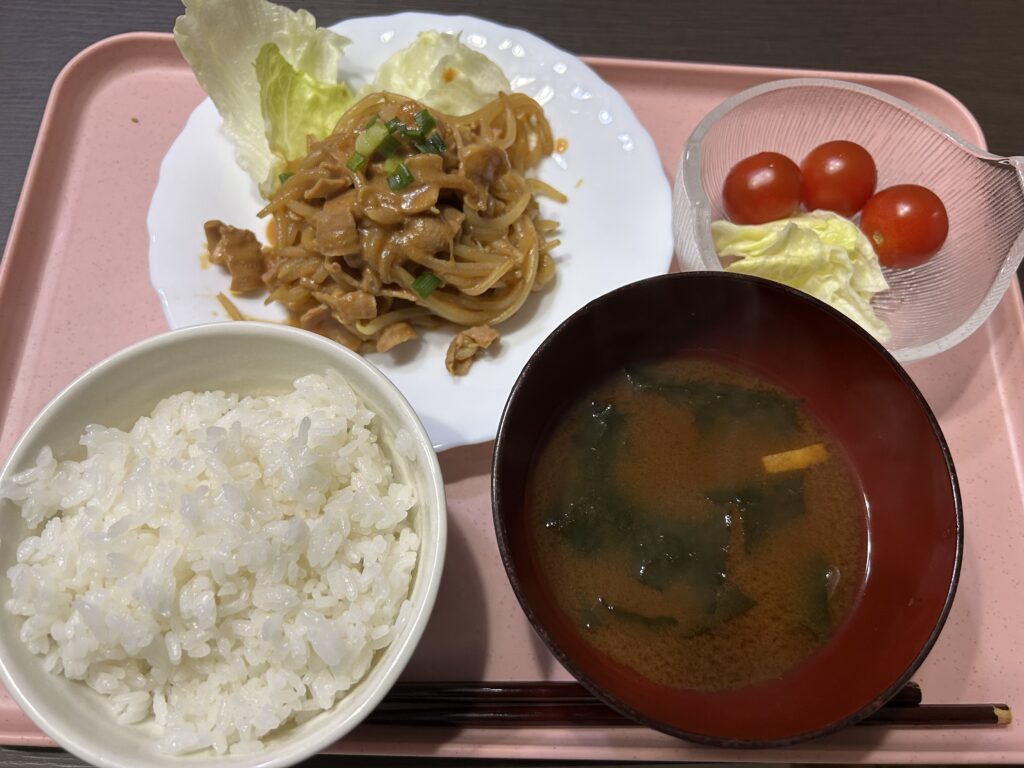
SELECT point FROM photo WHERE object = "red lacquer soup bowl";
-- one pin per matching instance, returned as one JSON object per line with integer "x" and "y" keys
{"x": 861, "y": 396}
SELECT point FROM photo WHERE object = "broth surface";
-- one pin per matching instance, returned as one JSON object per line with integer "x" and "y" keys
{"x": 670, "y": 546}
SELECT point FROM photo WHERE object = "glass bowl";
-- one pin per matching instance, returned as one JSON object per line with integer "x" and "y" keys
{"x": 929, "y": 308}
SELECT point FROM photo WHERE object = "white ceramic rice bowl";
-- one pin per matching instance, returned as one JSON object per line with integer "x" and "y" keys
{"x": 245, "y": 358}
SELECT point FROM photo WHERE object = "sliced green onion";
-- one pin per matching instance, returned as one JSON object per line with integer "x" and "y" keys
{"x": 370, "y": 140}
{"x": 285, "y": 176}
{"x": 425, "y": 123}
{"x": 395, "y": 126}
{"x": 373, "y": 120}
{"x": 356, "y": 162}
{"x": 426, "y": 284}
{"x": 400, "y": 178}
{"x": 434, "y": 145}
{"x": 389, "y": 146}
{"x": 399, "y": 175}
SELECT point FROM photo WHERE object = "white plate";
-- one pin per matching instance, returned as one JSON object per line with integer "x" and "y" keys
{"x": 615, "y": 229}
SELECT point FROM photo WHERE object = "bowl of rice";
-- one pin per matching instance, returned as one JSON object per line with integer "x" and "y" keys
{"x": 220, "y": 545}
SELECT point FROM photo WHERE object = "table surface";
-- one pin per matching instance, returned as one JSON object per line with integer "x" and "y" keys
{"x": 970, "y": 49}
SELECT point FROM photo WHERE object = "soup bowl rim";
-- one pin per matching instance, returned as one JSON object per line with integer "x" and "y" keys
{"x": 499, "y": 509}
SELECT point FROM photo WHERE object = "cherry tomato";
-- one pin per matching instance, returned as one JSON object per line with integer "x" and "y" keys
{"x": 763, "y": 187}
{"x": 839, "y": 176}
{"x": 906, "y": 224}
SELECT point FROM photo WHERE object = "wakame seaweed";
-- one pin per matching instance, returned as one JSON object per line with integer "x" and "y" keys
{"x": 814, "y": 582}
{"x": 668, "y": 550}
{"x": 716, "y": 405}
{"x": 593, "y": 615}
{"x": 592, "y": 512}
{"x": 587, "y": 521}
{"x": 764, "y": 507}
{"x": 730, "y": 602}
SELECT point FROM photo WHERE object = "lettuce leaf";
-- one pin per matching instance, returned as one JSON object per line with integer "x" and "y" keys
{"x": 221, "y": 40}
{"x": 442, "y": 73}
{"x": 294, "y": 105}
{"x": 820, "y": 253}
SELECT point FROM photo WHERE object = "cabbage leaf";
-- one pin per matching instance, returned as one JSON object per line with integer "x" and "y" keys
{"x": 294, "y": 105}
{"x": 443, "y": 73}
{"x": 820, "y": 253}
{"x": 221, "y": 40}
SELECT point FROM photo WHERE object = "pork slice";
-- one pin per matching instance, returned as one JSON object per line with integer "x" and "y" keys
{"x": 320, "y": 320}
{"x": 328, "y": 188}
{"x": 336, "y": 231}
{"x": 453, "y": 218}
{"x": 428, "y": 234}
{"x": 239, "y": 252}
{"x": 466, "y": 348}
{"x": 483, "y": 162}
{"x": 393, "y": 335}
{"x": 350, "y": 307}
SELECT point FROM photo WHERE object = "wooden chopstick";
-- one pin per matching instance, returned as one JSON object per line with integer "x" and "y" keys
{"x": 532, "y": 692}
{"x": 907, "y": 696}
{"x": 512, "y": 704}
{"x": 544, "y": 692}
{"x": 941, "y": 715}
{"x": 496, "y": 715}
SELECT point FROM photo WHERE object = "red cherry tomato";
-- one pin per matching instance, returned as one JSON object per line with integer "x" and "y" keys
{"x": 838, "y": 176}
{"x": 906, "y": 224}
{"x": 763, "y": 187}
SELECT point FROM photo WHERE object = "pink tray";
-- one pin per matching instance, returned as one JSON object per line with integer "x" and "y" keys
{"x": 74, "y": 287}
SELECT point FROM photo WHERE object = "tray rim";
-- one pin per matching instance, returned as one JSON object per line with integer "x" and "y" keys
{"x": 153, "y": 48}
{"x": 60, "y": 91}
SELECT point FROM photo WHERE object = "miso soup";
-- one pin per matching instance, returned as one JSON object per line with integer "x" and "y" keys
{"x": 697, "y": 524}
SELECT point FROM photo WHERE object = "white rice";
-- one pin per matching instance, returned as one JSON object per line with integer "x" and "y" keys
{"x": 225, "y": 568}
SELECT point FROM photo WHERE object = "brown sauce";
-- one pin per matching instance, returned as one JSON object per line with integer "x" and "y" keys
{"x": 669, "y": 545}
